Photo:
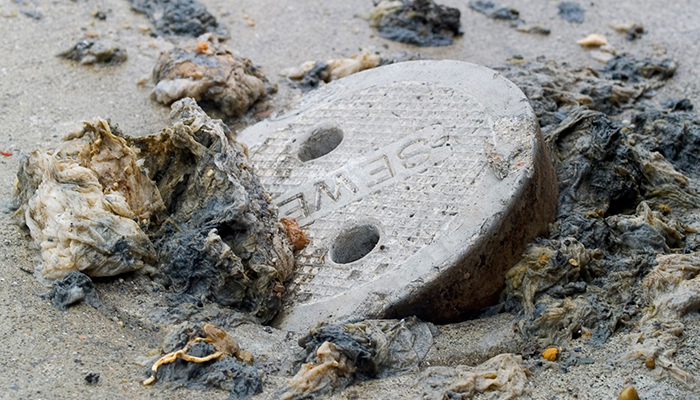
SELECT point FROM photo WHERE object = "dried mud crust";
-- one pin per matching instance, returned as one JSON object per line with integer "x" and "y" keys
{"x": 185, "y": 202}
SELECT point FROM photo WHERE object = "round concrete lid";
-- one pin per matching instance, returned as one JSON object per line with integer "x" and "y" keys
{"x": 418, "y": 184}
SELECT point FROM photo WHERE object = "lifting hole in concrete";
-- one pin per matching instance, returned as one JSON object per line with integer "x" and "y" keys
{"x": 354, "y": 243}
{"x": 321, "y": 142}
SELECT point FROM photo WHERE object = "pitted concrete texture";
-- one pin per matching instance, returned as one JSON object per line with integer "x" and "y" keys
{"x": 418, "y": 183}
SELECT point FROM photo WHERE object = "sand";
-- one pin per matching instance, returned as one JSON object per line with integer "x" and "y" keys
{"x": 46, "y": 353}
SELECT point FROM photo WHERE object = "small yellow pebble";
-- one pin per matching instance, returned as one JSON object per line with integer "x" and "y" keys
{"x": 650, "y": 363}
{"x": 251, "y": 22}
{"x": 121, "y": 323}
{"x": 628, "y": 393}
{"x": 550, "y": 354}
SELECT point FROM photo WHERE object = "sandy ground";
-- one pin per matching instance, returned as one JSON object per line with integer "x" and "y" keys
{"x": 45, "y": 353}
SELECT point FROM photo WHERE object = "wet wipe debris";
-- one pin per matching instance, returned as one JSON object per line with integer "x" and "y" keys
{"x": 179, "y": 17}
{"x": 95, "y": 51}
{"x": 571, "y": 11}
{"x": 208, "y": 72}
{"x": 628, "y": 205}
{"x": 497, "y": 11}
{"x": 76, "y": 287}
{"x": 310, "y": 74}
{"x": 417, "y": 22}
{"x": 185, "y": 202}
{"x": 206, "y": 357}
{"x": 503, "y": 375}
{"x": 632, "y": 30}
{"x": 335, "y": 355}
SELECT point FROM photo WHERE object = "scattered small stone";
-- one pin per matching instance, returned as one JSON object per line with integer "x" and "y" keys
{"x": 101, "y": 15}
{"x": 593, "y": 40}
{"x": 550, "y": 354}
{"x": 586, "y": 360}
{"x": 628, "y": 393}
{"x": 95, "y": 51}
{"x": 650, "y": 363}
{"x": 92, "y": 378}
{"x": 33, "y": 14}
{"x": 571, "y": 11}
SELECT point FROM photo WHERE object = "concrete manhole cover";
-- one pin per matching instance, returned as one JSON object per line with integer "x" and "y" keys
{"x": 418, "y": 183}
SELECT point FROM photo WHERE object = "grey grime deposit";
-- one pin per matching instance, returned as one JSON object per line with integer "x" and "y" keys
{"x": 499, "y": 12}
{"x": 76, "y": 287}
{"x": 95, "y": 51}
{"x": 179, "y": 17}
{"x": 627, "y": 206}
{"x": 417, "y": 22}
{"x": 208, "y": 72}
{"x": 184, "y": 202}
{"x": 571, "y": 11}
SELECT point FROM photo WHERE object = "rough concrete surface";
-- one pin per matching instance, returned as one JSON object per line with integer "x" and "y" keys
{"x": 46, "y": 353}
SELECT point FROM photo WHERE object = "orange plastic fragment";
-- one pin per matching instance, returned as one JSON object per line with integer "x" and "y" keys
{"x": 296, "y": 235}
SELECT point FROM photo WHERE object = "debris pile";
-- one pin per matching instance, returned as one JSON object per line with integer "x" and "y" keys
{"x": 672, "y": 290}
{"x": 337, "y": 355}
{"x": 208, "y": 72}
{"x": 312, "y": 73}
{"x": 206, "y": 357}
{"x": 627, "y": 205}
{"x": 179, "y": 17}
{"x": 418, "y": 22}
{"x": 184, "y": 201}
{"x": 504, "y": 374}
{"x": 81, "y": 203}
{"x": 95, "y": 51}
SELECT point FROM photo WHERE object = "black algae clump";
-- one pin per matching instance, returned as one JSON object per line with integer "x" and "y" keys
{"x": 626, "y": 196}
{"x": 497, "y": 11}
{"x": 92, "y": 378}
{"x": 71, "y": 290}
{"x": 571, "y": 11}
{"x": 418, "y": 22}
{"x": 95, "y": 51}
{"x": 179, "y": 17}
{"x": 335, "y": 355}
